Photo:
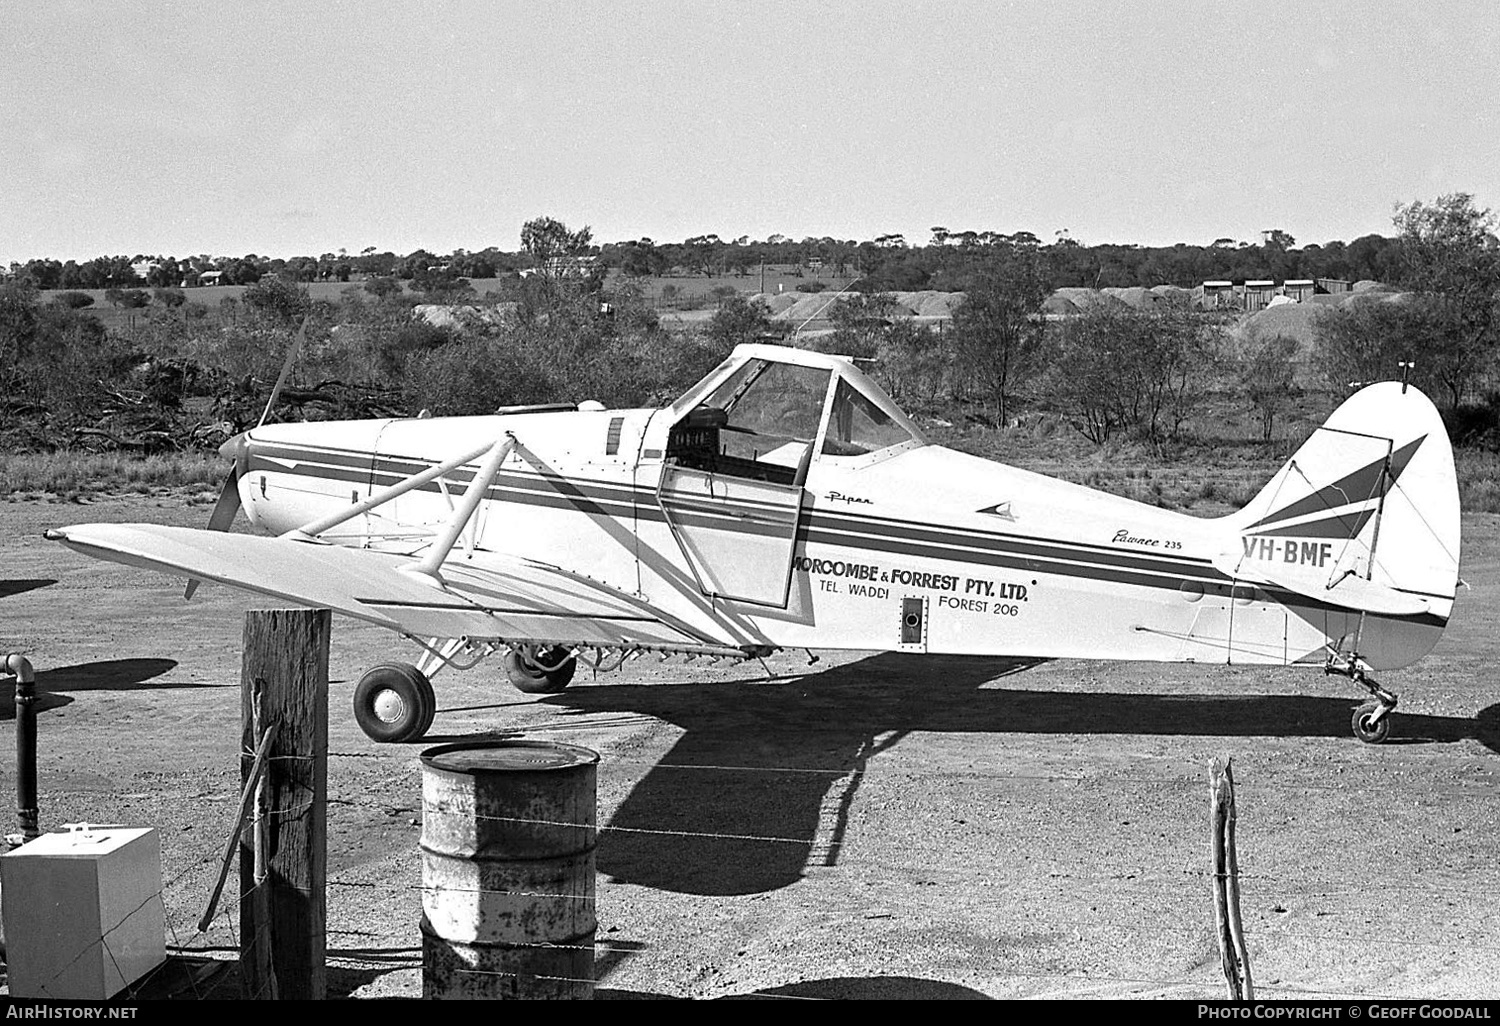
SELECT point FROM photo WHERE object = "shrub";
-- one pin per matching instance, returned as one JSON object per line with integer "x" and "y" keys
{"x": 73, "y": 300}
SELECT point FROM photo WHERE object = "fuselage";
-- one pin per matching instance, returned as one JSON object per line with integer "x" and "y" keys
{"x": 914, "y": 547}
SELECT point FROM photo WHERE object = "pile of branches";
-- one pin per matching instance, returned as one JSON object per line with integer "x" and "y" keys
{"x": 164, "y": 411}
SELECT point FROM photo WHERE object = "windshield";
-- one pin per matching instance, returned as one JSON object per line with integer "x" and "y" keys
{"x": 772, "y": 410}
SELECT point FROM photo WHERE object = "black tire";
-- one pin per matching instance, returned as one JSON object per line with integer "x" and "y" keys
{"x": 394, "y": 702}
{"x": 534, "y": 681}
{"x": 1368, "y": 732}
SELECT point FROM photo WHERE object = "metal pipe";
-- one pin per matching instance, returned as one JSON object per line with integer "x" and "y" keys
{"x": 26, "y": 801}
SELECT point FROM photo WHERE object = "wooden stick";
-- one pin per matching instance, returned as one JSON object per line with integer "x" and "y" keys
{"x": 1234, "y": 955}
{"x": 246, "y": 794}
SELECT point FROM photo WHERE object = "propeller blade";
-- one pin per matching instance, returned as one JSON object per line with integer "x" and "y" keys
{"x": 228, "y": 504}
{"x": 286, "y": 368}
{"x": 223, "y": 515}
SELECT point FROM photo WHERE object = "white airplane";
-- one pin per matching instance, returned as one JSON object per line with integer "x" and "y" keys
{"x": 786, "y": 502}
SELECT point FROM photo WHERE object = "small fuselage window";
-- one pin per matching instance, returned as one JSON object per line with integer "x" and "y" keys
{"x": 857, "y": 426}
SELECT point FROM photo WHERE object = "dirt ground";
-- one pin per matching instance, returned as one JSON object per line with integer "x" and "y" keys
{"x": 866, "y": 826}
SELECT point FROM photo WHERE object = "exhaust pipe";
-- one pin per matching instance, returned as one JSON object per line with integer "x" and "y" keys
{"x": 26, "y": 802}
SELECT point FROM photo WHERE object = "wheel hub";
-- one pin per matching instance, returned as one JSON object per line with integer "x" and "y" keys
{"x": 389, "y": 706}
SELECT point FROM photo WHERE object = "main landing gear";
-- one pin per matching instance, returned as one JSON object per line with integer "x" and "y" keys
{"x": 539, "y": 671}
{"x": 394, "y": 702}
{"x": 1372, "y": 720}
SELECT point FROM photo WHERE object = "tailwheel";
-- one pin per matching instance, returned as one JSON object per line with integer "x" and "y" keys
{"x": 1372, "y": 723}
{"x": 394, "y": 702}
{"x": 1372, "y": 720}
{"x": 540, "y": 671}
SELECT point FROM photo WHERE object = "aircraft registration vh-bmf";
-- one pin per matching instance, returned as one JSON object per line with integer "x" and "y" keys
{"x": 786, "y": 502}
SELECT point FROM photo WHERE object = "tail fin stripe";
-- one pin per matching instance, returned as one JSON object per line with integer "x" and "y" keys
{"x": 1368, "y": 482}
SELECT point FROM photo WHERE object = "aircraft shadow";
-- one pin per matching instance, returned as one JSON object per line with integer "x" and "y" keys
{"x": 107, "y": 675}
{"x": 103, "y": 675}
{"x": 780, "y": 793}
{"x": 20, "y": 586}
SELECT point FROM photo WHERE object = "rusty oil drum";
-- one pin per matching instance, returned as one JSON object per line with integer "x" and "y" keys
{"x": 508, "y": 870}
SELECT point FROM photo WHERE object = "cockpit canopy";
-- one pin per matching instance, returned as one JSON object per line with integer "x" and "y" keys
{"x": 767, "y": 412}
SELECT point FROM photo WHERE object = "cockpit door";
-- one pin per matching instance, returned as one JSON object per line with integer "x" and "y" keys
{"x": 731, "y": 488}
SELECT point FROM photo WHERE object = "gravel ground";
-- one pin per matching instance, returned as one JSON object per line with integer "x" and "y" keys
{"x": 865, "y": 826}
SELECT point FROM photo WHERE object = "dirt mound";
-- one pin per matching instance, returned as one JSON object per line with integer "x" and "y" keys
{"x": 1086, "y": 299}
{"x": 923, "y": 305}
{"x": 1135, "y": 296}
{"x": 1292, "y": 320}
{"x": 940, "y": 304}
{"x": 777, "y": 302}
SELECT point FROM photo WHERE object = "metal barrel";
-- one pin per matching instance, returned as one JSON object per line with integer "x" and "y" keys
{"x": 508, "y": 870}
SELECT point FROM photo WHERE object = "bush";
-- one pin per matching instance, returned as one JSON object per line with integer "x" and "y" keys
{"x": 380, "y": 287}
{"x": 73, "y": 300}
{"x": 278, "y": 299}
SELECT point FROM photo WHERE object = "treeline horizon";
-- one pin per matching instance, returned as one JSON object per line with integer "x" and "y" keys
{"x": 886, "y": 263}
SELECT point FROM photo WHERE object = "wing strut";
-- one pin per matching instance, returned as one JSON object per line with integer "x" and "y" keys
{"x": 431, "y": 563}
{"x": 309, "y": 531}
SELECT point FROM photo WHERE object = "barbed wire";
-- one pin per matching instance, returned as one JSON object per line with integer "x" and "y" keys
{"x": 1280, "y": 885}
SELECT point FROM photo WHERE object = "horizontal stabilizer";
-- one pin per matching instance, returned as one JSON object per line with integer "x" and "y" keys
{"x": 1347, "y": 591}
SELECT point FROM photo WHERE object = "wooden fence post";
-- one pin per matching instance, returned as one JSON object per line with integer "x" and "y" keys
{"x": 283, "y": 865}
{"x": 1226, "y": 876}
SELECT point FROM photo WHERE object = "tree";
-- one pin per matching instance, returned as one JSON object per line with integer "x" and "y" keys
{"x": 73, "y": 300}
{"x": 912, "y": 365}
{"x": 380, "y": 286}
{"x": 442, "y": 285}
{"x": 18, "y": 322}
{"x": 1266, "y": 380}
{"x": 1361, "y": 342}
{"x": 738, "y": 320}
{"x": 861, "y": 322}
{"x": 1449, "y": 253}
{"x": 546, "y": 238}
{"x": 1118, "y": 367}
{"x": 998, "y": 330}
{"x": 277, "y": 298}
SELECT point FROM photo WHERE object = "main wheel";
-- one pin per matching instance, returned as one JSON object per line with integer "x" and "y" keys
{"x": 394, "y": 702}
{"x": 534, "y": 680}
{"x": 1369, "y": 730}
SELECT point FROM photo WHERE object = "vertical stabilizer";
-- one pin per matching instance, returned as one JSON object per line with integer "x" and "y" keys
{"x": 1365, "y": 515}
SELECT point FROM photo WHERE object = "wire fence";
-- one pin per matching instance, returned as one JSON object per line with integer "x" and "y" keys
{"x": 185, "y": 889}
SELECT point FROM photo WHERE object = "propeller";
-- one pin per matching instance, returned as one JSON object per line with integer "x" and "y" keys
{"x": 237, "y": 451}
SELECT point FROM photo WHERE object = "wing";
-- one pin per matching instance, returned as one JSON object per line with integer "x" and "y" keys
{"x": 489, "y": 597}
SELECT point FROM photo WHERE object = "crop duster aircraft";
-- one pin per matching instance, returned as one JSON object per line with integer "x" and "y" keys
{"x": 786, "y": 502}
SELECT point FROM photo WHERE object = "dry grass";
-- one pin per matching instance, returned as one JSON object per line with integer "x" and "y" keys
{"x": 69, "y": 475}
{"x": 1478, "y": 480}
